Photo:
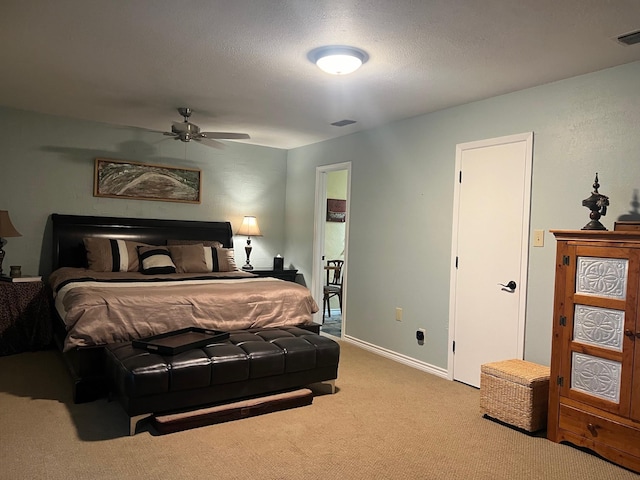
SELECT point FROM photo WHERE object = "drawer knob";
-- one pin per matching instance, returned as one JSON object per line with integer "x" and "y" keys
{"x": 593, "y": 429}
{"x": 630, "y": 334}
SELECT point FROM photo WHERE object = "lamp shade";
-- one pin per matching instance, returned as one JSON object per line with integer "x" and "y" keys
{"x": 6, "y": 227}
{"x": 249, "y": 227}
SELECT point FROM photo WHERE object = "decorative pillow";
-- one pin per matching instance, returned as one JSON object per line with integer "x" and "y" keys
{"x": 220, "y": 259}
{"x": 155, "y": 259}
{"x": 206, "y": 243}
{"x": 189, "y": 258}
{"x": 111, "y": 255}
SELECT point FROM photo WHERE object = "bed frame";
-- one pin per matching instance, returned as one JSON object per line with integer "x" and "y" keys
{"x": 69, "y": 230}
{"x": 86, "y": 364}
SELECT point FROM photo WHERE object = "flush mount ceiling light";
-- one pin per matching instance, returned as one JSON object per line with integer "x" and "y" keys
{"x": 338, "y": 59}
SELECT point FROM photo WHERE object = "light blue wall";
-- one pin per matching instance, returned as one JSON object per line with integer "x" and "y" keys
{"x": 402, "y": 200}
{"x": 401, "y": 194}
{"x": 47, "y": 166}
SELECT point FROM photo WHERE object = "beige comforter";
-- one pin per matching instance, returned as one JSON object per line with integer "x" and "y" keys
{"x": 97, "y": 309}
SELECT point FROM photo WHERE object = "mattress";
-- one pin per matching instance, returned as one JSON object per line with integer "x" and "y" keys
{"x": 98, "y": 308}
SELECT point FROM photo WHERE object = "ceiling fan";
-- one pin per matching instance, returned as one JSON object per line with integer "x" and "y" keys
{"x": 186, "y": 131}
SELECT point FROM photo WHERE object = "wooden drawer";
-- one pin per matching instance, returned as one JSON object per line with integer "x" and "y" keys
{"x": 597, "y": 429}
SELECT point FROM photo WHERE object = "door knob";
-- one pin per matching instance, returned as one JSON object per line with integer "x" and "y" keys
{"x": 510, "y": 285}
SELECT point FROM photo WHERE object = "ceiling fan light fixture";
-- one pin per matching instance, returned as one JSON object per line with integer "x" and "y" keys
{"x": 187, "y": 131}
{"x": 338, "y": 59}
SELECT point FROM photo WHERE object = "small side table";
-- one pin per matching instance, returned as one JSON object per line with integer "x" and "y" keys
{"x": 25, "y": 317}
{"x": 286, "y": 274}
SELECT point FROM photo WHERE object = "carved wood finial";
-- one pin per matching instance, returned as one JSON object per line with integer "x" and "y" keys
{"x": 598, "y": 204}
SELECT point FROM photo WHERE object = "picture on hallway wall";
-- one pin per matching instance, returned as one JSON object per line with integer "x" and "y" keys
{"x": 141, "y": 181}
{"x": 336, "y": 210}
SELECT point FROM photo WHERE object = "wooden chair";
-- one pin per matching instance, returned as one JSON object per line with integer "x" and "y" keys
{"x": 333, "y": 287}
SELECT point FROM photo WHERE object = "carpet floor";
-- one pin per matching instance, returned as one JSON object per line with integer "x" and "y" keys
{"x": 386, "y": 421}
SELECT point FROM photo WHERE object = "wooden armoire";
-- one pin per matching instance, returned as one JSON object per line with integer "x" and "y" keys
{"x": 594, "y": 387}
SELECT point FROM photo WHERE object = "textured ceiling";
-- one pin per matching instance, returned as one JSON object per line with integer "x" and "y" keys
{"x": 242, "y": 67}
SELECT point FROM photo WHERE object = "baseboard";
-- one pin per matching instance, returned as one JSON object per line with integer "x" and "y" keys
{"x": 398, "y": 357}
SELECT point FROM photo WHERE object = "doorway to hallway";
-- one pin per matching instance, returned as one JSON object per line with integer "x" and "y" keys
{"x": 331, "y": 242}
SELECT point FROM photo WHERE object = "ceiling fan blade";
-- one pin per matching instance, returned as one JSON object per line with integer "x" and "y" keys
{"x": 187, "y": 131}
{"x": 225, "y": 135}
{"x": 210, "y": 142}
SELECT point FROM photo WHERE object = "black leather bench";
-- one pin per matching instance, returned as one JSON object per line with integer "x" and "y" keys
{"x": 249, "y": 363}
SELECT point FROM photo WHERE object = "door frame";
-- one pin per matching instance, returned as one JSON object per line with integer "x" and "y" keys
{"x": 524, "y": 260}
{"x": 320, "y": 216}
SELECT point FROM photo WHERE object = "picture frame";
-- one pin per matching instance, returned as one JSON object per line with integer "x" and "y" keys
{"x": 336, "y": 210}
{"x": 143, "y": 181}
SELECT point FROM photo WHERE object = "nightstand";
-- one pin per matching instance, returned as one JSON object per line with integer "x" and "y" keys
{"x": 25, "y": 317}
{"x": 286, "y": 274}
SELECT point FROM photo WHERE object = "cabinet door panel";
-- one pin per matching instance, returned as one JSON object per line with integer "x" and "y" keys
{"x": 596, "y": 376}
{"x": 598, "y": 356}
{"x": 601, "y": 327}
{"x": 602, "y": 277}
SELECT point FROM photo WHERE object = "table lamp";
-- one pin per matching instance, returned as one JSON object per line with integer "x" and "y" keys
{"x": 249, "y": 228}
{"x": 6, "y": 230}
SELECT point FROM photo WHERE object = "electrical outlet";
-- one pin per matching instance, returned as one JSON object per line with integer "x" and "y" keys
{"x": 538, "y": 238}
{"x": 398, "y": 314}
{"x": 420, "y": 334}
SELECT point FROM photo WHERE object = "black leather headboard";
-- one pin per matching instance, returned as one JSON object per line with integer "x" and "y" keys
{"x": 69, "y": 230}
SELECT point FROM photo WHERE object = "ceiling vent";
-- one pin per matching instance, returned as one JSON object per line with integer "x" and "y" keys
{"x": 343, "y": 123}
{"x": 630, "y": 38}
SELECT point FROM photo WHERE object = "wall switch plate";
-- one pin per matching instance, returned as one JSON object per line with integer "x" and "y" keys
{"x": 538, "y": 238}
{"x": 398, "y": 314}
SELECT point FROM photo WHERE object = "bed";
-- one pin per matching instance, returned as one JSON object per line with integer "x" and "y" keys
{"x": 118, "y": 279}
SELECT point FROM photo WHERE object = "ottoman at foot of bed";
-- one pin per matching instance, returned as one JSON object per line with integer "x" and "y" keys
{"x": 250, "y": 363}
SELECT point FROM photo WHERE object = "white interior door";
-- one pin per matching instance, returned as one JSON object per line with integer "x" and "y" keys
{"x": 490, "y": 248}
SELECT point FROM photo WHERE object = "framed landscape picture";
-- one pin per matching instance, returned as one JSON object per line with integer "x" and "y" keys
{"x": 141, "y": 181}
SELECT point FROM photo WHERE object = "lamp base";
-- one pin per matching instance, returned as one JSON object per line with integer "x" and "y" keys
{"x": 247, "y": 250}
{"x": 1, "y": 257}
